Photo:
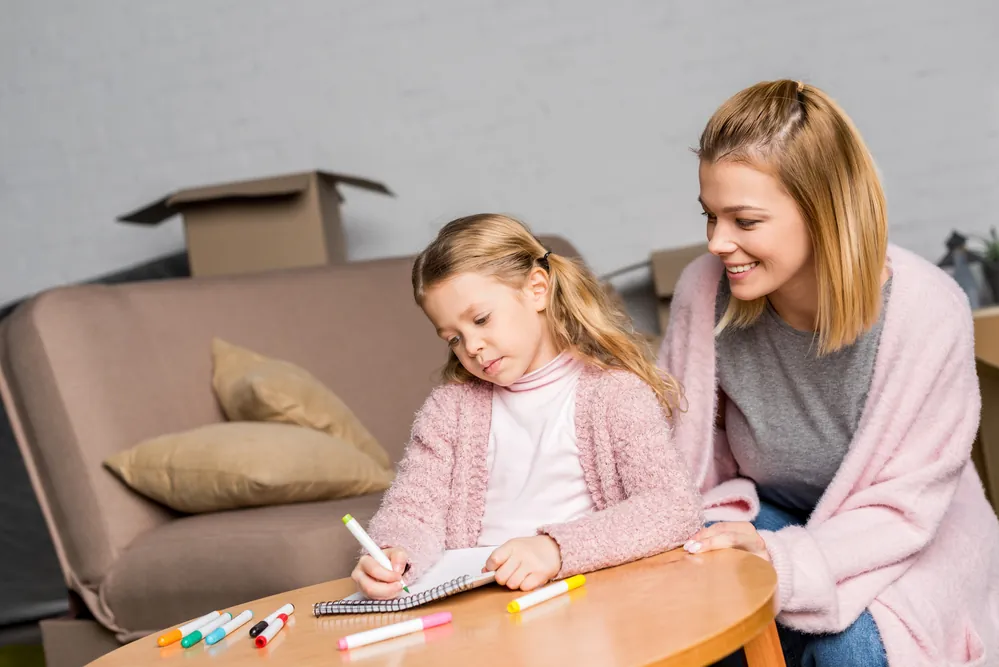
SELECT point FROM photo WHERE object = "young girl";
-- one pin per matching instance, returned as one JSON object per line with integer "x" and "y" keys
{"x": 550, "y": 437}
{"x": 832, "y": 396}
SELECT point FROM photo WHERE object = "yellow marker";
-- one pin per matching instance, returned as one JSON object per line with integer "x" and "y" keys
{"x": 546, "y": 593}
{"x": 177, "y": 634}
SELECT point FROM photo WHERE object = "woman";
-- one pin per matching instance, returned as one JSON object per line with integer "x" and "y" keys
{"x": 832, "y": 396}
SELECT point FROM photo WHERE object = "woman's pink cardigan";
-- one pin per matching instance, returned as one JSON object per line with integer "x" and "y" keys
{"x": 904, "y": 529}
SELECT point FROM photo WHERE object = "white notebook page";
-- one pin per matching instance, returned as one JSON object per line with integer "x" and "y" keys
{"x": 453, "y": 564}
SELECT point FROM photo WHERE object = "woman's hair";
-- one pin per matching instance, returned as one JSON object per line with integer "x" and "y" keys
{"x": 800, "y": 136}
{"x": 580, "y": 314}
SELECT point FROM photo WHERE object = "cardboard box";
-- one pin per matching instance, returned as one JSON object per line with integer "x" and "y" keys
{"x": 985, "y": 453}
{"x": 667, "y": 265}
{"x": 278, "y": 222}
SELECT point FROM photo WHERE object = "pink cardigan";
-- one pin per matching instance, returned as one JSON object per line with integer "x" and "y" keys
{"x": 645, "y": 500}
{"x": 904, "y": 529}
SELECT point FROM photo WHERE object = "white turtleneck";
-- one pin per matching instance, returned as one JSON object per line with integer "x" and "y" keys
{"x": 535, "y": 477}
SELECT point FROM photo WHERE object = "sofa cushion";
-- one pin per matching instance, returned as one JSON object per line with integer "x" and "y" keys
{"x": 197, "y": 563}
{"x": 231, "y": 465}
{"x": 252, "y": 387}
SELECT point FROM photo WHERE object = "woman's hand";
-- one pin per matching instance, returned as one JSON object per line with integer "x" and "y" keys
{"x": 525, "y": 562}
{"x": 375, "y": 581}
{"x": 728, "y": 535}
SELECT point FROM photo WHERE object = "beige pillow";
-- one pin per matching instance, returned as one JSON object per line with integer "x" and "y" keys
{"x": 252, "y": 387}
{"x": 245, "y": 464}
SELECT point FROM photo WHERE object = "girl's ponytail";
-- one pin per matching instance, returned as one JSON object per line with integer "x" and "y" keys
{"x": 583, "y": 316}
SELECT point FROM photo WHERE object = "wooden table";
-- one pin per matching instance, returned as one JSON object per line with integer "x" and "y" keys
{"x": 674, "y": 610}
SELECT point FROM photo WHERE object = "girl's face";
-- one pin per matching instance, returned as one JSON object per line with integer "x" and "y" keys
{"x": 755, "y": 227}
{"x": 498, "y": 332}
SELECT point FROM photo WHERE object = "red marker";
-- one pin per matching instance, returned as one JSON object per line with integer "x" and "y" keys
{"x": 272, "y": 629}
{"x": 287, "y": 610}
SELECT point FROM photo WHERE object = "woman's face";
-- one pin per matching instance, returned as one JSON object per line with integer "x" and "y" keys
{"x": 755, "y": 227}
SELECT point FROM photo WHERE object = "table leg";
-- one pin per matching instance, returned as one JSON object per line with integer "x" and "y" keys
{"x": 764, "y": 649}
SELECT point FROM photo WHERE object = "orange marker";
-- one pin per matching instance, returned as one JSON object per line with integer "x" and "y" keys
{"x": 177, "y": 634}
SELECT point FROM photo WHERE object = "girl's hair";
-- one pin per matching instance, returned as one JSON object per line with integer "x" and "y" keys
{"x": 580, "y": 314}
{"x": 799, "y": 135}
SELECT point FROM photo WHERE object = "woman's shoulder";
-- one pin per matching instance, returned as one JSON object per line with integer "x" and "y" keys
{"x": 698, "y": 280}
{"x": 924, "y": 294}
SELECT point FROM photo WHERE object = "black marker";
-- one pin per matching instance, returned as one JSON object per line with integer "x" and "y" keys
{"x": 262, "y": 625}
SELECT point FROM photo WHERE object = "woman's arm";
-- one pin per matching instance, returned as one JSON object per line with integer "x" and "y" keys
{"x": 920, "y": 429}
{"x": 688, "y": 354}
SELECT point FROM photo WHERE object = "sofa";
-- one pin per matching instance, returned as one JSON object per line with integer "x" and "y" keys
{"x": 88, "y": 371}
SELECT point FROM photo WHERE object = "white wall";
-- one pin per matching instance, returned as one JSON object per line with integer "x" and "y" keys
{"x": 575, "y": 114}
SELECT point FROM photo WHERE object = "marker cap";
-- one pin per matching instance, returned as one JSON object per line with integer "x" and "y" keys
{"x": 218, "y": 634}
{"x": 258, "y": 628}
{"x": 433, "y": 620}
{"x": 169, "y": 638}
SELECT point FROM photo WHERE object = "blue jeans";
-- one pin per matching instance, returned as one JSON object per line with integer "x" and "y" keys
{"x": 859, "y": 645}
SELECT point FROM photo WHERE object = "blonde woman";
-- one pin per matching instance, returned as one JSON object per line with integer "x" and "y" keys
{"x": 832, "y": 396}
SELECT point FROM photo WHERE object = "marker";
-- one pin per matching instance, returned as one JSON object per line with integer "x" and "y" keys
{"x": 179, "y": 633}
{"x": 369, "y": 545}
{"x": 219, "y": 634}
{"x": 262, "y": 625}
{"x": 394, "y": 630}
{"x": 546, "y": 593}
{"x": 196, "y": 636}
{"x": 272, "y": 629}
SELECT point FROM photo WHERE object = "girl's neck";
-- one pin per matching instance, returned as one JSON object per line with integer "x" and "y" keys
{"x": 546, "y": 352}
{"x": 562, "y": 366}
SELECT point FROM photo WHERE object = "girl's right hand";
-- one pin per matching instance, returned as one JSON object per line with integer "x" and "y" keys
{"x": 375, "y": 581}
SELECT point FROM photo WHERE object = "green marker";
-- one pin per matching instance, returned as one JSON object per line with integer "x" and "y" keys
{"x": 369, "y": 545}
{"x": 197, "y": 635}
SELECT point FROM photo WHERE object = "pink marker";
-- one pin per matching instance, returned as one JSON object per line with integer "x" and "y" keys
{"x": 394, "y": 630}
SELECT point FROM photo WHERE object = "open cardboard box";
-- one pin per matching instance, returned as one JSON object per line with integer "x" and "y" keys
{"x": 277, "y": 222}
{"x": 986, "y": 449}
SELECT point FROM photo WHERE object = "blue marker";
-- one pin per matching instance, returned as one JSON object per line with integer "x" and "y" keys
{"x": 196, "y": 636}
{"x": 219, "y": 634}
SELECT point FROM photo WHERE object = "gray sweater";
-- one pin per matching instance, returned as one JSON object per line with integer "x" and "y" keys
{"x": 790, "y": 415}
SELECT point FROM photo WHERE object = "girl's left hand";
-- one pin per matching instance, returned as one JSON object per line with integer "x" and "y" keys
{"x": 728, "y": 535}
{"x": 525, "y": 562}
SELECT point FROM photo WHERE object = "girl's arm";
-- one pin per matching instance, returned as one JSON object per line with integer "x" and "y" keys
{"x": 413, "y": 510}
{"x": 662, "y": 508}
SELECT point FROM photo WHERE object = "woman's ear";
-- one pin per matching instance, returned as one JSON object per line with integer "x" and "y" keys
{"x": 538, "y": 289}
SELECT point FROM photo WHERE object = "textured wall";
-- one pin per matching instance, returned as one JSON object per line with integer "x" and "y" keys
{"x": 574, "y": 114}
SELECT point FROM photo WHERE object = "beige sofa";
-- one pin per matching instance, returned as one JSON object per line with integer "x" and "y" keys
{"x": 91, "y": 370}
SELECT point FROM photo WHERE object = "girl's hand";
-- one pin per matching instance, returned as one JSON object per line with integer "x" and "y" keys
{"x": 728, "y": 535}
{"x": 375, "y": 581}
{"x": 525, "y": 562}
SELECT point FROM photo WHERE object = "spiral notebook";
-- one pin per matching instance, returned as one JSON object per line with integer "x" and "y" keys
{"x": 457, "y": 571}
